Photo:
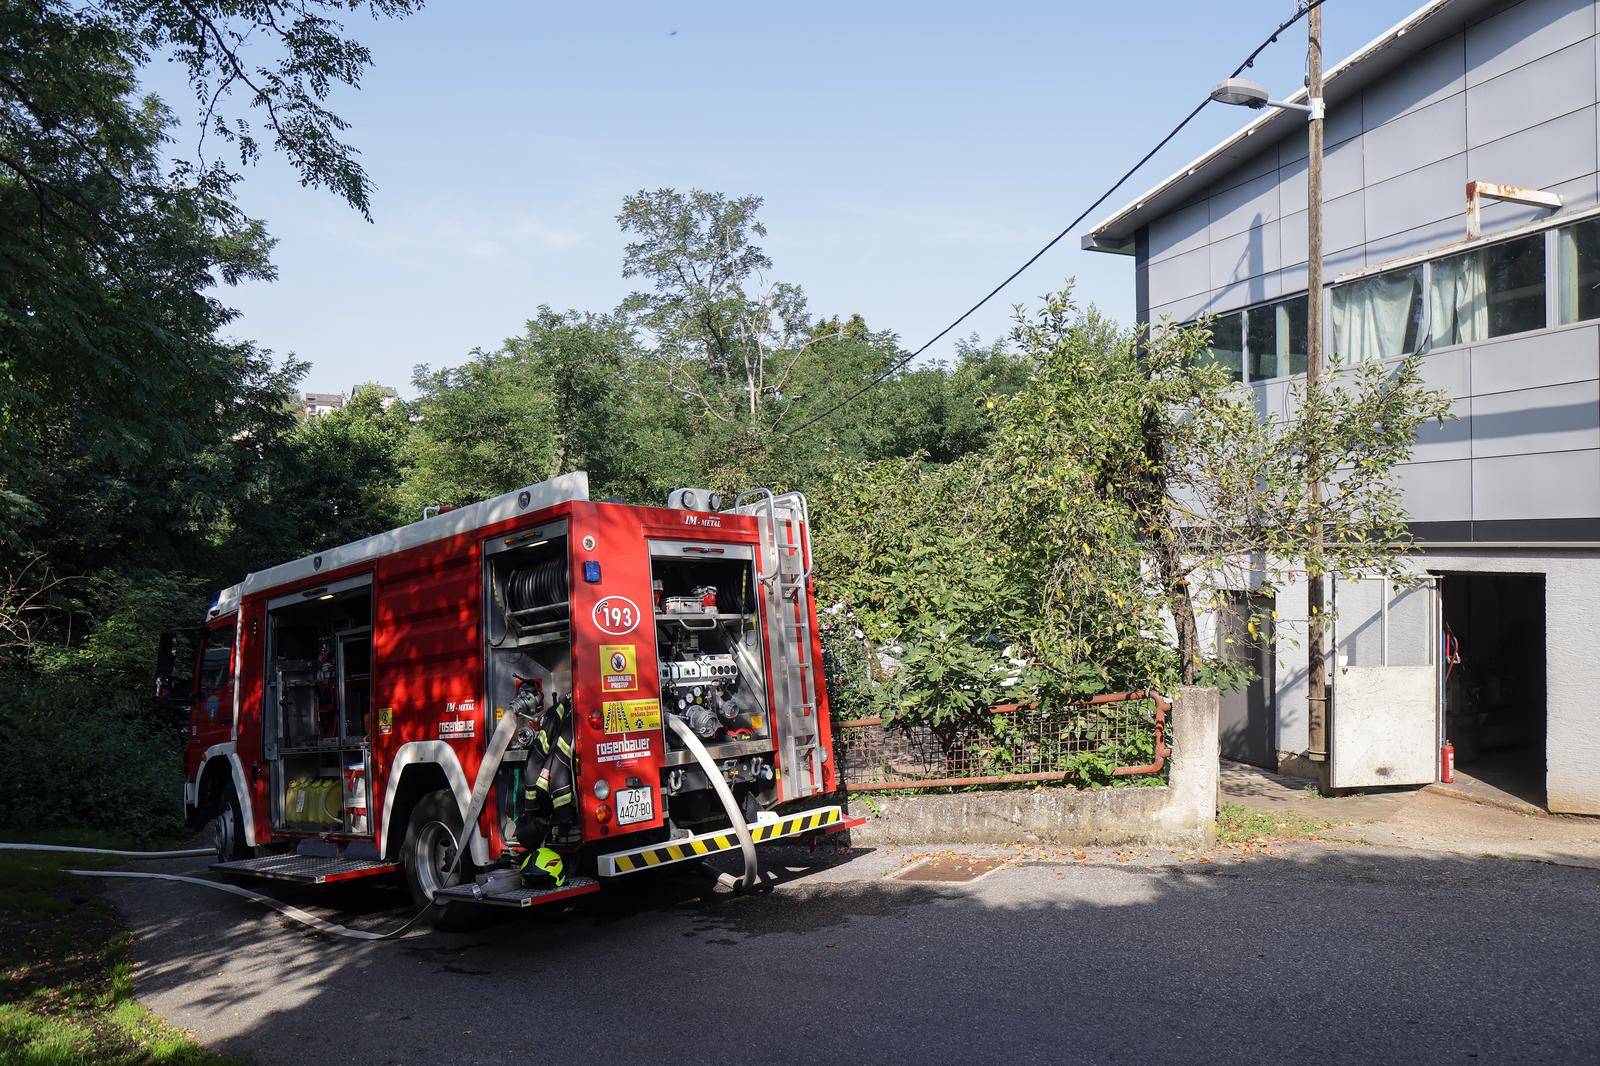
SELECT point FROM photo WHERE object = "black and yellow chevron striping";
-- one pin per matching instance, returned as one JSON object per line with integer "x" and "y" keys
{"x": 712, "y": 843}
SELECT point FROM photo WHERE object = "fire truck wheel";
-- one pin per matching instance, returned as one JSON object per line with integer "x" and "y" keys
{"x": 429, "y": 850}
{"x": 227, "y": 831}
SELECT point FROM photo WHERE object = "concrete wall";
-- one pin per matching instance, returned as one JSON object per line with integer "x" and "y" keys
{"x": 1181, "y": 814}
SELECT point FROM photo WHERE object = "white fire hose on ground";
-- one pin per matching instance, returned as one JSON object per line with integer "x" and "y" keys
{"x": 286, "y": 909}
{"x": 499, "y": 742}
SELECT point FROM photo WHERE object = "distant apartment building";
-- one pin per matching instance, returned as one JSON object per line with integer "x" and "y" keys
{"x": 1500, "y": 650}
{"x": 321, "y": 403}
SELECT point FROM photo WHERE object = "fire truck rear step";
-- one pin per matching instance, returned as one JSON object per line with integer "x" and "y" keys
{"x": 519, "y": 896}
{"x": 307, "y": 869}
{"x": 766, "y": 828}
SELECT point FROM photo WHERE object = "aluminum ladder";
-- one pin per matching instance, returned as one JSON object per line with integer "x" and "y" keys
{"x": 784, "y": 575}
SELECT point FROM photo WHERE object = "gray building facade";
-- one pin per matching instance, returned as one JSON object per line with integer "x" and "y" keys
{"x": 1505, "y": 499}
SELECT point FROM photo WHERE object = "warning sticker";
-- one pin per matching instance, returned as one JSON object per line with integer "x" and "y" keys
{"x": 630, "y": 716}
{"x": 386, "y": 720}
{"x": 618, "y": 672}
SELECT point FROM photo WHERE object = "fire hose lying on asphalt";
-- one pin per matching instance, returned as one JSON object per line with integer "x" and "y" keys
{"x": 499, "y": 741}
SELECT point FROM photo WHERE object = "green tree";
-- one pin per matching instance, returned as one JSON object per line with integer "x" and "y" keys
{"x": 726, "y": 338}
{"x": 908, "y": 579}
{"x": 1149, "y": 477}
{"x": 137, "y": 441}
{"x": 571, "y": 392}
{"x": 334, "y": 478}
{"x": 126, "y": 416}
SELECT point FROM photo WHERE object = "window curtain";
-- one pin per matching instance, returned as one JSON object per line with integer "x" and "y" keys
{"x": 1458, "y": 300}
{"x": 1371, "y": 316}
{"x": 1567, "y": 246}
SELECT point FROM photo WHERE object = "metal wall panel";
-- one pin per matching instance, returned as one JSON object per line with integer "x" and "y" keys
{"x": 1452, "y": 440}
{"x": 1245, "y": 255}
{"x": 1427, "y": 194}
{"x": 1525, "y": 97}
{"x": 1344, "y": 226}
{"x": 1535, "y": 360}
{"x": 1182, "y": 275}
{"x": 1540, "y": 156}
{"x": 1343, "y": 173}
{"x": 1250, "y": 291}
{"x": 1437, "y": 492}
{"x": 1524, "y": 33}
{"x": 1420, "y": 239}
{"x": 1450, "y": 370}
{"x": 1432, "y": 75}
{"x": 1183, "y": 230}
{"x": 1237, "y": 209}
{"x": 1559, "y": 485}
{"x": 1512, "y": 100}
{"x": 1437, "y": 131}
{"x": 1252, "y": 164}
{"x": 1555, "y": 418}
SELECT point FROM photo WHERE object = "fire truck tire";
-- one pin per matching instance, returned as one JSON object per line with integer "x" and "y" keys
{"x": 226, "y": 830}
{"x": 430, "y": 845}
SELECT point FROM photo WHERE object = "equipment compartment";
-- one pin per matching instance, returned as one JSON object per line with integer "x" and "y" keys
{"x": 317, "y": 733}
{"x": 713, "y": 678}
{"x": 527, "y": 635}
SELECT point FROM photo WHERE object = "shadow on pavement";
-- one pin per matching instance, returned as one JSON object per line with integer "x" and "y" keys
{"x": 1338, "y": 954}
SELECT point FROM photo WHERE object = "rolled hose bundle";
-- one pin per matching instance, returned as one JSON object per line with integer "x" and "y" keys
{"x": 536, "y": 586}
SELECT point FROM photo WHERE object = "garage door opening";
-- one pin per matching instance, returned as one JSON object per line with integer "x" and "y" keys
{"x": 1494, "y": 691}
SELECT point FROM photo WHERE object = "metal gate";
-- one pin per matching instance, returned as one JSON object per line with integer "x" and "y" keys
{"x": 1385, "y": 721}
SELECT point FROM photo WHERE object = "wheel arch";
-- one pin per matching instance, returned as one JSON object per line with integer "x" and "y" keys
{"x": 220, "y": 772}
{"x": 419, "y": 768}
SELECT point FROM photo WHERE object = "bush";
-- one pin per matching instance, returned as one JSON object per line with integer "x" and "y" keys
{"x": 82, "y": 757}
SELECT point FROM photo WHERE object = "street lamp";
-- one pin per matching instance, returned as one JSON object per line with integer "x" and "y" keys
{"x": 1243, "y": 92}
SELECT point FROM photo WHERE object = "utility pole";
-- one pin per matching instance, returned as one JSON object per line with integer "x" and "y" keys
{"x": 1317, "y": 718}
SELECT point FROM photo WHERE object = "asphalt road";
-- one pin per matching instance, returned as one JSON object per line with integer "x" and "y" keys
{"x": 1327, "y": 953}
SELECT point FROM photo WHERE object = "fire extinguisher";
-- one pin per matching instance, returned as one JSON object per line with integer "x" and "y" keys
{"x": 1447, "y": 762}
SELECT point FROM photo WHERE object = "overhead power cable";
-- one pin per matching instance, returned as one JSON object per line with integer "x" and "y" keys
{"x": 1301, "y": 11}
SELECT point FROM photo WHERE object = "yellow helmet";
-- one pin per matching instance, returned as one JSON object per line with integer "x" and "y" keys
{"x": 544, "y": 868}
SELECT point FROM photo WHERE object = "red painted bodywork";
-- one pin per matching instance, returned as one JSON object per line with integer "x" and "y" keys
{"x": 428, "y": 648}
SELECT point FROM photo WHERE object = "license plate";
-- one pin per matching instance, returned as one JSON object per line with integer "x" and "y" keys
{"x": 635, "y": 805}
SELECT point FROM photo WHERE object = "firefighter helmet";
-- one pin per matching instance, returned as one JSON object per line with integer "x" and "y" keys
{"x": 543, "y": 869}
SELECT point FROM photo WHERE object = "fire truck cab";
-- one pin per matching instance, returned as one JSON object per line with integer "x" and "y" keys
{"x": 354, "y": 713}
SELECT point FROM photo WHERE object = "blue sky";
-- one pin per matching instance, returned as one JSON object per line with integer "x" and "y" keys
{"x": 910, "y": 156}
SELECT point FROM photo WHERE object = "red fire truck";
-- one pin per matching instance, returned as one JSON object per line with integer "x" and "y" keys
{"x": 355, "y": 713}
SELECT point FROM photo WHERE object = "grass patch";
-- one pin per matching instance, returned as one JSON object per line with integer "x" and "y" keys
{"x": 1237, "y": 824}
{"x": 66, "y": 981}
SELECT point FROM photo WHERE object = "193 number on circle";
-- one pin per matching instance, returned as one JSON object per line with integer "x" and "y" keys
{"x": 616, "y": 615}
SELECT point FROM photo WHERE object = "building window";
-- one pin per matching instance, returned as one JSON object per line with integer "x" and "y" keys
{"x": 1227, "y": 344}
{"x": 1488, "y": 292}
{"x": 1579, "y": 249}
{"x": 1276, "y": 337}
{"x": 1378, "y": 317}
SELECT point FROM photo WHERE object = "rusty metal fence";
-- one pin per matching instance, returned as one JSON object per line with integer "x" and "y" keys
{"x": 1122, "y": 734}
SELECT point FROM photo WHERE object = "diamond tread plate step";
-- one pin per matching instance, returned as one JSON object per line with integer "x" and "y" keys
{"x": 519, "y": 897}
{"x": 307, "y": 869}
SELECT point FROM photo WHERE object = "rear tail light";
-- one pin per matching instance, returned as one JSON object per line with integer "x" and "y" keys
{"x": 602, "y": 813}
